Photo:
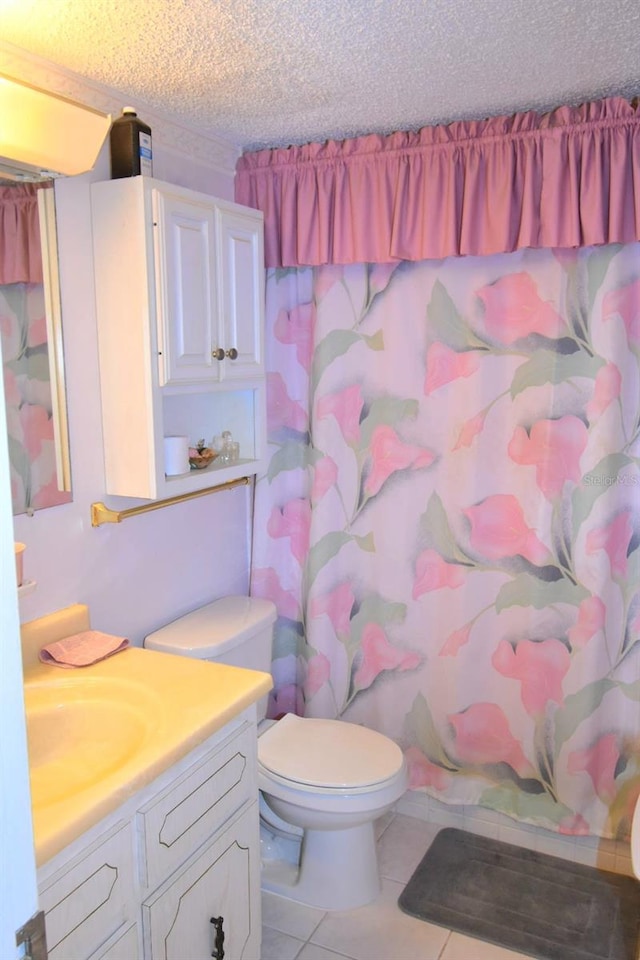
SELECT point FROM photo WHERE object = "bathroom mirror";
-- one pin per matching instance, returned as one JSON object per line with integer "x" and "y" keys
{"x": 32, "y": 347}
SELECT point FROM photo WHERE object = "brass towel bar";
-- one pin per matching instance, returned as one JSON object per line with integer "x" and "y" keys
{"x": 102, "y": 514}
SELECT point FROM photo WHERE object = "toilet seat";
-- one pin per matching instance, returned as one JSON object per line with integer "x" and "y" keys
{"x": 271, "y": 783}
{"x": 327, "y": 755}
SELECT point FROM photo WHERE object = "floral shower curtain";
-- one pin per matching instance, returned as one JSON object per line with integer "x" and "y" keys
{"x": 450, "y": 521}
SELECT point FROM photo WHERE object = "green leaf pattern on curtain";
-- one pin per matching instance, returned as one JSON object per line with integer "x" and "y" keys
{"x": 451, "y": 521}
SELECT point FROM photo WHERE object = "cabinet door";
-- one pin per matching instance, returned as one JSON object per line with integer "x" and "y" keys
{"x": 91, "y": 899}
{"x": 241, "y": 272}
{"x": 186, "y": 290}
{"x": 125, "y": 947}
{"x": 221, "y": 884}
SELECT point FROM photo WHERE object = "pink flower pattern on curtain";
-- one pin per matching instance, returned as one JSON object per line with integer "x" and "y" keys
{"x": 449, "y": 524}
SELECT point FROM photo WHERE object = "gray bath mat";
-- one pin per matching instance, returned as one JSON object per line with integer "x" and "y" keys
{"x": 544, "y": 906}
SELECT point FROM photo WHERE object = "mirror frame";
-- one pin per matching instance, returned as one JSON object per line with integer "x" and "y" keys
{"x": 55, "y": 343}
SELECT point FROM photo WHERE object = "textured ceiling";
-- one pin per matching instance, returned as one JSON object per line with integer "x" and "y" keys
{"x": 264, "y": 73}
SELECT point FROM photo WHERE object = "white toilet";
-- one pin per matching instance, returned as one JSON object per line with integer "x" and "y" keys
{"x": 323, "y": 783}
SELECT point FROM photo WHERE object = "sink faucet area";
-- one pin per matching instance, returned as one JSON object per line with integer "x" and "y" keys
{"x": 99, "y": 733}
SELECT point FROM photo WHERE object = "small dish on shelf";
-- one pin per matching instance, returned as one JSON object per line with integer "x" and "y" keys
{"x": 201, "y": 456}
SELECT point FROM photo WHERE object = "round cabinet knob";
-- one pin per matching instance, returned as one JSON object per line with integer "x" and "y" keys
{"x": 218, "y": 354}
{"x": 232, "y": 354}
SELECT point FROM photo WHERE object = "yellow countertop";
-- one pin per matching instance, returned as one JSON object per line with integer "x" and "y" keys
{"x": 176, "y": 703}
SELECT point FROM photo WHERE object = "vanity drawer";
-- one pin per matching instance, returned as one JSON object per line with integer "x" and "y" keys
{"x": 87, "y": 903}
{"x": 177, "y": 822}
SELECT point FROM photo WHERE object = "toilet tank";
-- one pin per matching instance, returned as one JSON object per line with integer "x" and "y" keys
{"x": 233, "y": 630}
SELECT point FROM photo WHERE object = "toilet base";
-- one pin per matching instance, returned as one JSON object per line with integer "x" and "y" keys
{"x": 277, "y": 846}
{"x": 338, "y": 870}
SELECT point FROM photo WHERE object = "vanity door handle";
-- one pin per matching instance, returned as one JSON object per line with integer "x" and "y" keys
{"x": 218, "y": 952}
{"x": 218, "y": 353}
{"x": 232, "y": 354}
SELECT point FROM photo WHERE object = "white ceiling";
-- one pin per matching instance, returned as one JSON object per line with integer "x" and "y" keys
{"x": 262, "y": 73}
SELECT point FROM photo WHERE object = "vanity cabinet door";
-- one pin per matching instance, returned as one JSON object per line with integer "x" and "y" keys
{"x": 211, "y": 898}
{"x": 125, "y": 947}
{"x": 187, "y": 314}
{"x": 91, "y": 899}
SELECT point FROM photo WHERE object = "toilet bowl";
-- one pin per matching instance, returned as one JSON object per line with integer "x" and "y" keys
{"x": 332, "y": 779}
{"x": 323, "y": 783}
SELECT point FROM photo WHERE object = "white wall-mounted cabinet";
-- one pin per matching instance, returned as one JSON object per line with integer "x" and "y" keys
{"x": 180, "y": 307}
{"x": 173, "y": 871}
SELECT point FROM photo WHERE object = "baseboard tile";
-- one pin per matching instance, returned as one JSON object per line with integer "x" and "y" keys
{"x": 592, "y": 851}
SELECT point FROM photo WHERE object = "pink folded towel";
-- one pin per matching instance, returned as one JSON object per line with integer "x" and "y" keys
{"x": 82, "y": 649}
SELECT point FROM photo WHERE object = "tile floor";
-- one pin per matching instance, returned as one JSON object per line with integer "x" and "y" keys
{"x": 379, "y": 931}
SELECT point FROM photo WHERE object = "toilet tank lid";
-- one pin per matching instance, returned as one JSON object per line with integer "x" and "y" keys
{"x": 211, "y": 630}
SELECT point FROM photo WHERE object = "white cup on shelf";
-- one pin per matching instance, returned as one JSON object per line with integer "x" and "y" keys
{"x": 176, "y": 456}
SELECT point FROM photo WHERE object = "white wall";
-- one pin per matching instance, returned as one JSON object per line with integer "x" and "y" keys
{"x": 147, "y": 570}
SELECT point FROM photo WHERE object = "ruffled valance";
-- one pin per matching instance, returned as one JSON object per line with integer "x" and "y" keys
{"x": 20, "y": 251}
{"x": 569, "y": 178}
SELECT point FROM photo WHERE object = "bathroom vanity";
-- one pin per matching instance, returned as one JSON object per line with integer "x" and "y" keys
{"x": 169, "y": 872}
{"x": 154, "y": 853}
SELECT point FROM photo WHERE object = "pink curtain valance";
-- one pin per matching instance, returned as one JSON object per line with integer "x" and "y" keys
{"x": 569, "y": 178}
{"x": 20, "y": 253}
